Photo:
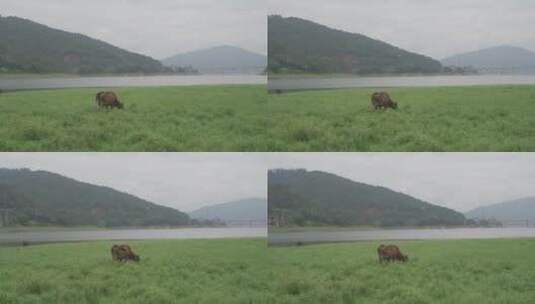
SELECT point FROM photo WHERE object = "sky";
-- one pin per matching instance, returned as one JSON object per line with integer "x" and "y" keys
{"x": 158, "y": 28}
{"x": 184, "y": 181}
{"x": 460, "y": 181}
{"x": 435, "y": 28}
{"x": 187, "y": 181}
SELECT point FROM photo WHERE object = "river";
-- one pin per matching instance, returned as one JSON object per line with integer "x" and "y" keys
{"x": 286, "y": 238}
{"x": 64, "y": 235}
{"x": 310, "y": 83}
{"x": 30, "y": 82}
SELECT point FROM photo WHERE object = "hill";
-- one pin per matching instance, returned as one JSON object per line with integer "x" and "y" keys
{"x": 298, "y": 45}
{"x": 500, "y": 58}
{"x": 30, "y": 47}
{"x": 308, "y": 198}
{"x": 44, "y": 198}
{"x": 509, "y": 211}
{"x": 221, "y": 59}
{"x": 251, "y": 209}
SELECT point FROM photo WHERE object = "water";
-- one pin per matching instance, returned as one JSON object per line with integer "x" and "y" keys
{"x": 310, "y": 83}
{"x": 126, "y": 81}
{"x": 127, "y": 234}
{"x": 281, "y": 238}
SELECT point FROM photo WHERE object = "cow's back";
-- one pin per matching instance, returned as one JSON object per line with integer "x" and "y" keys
{"x": 380, "y": 99}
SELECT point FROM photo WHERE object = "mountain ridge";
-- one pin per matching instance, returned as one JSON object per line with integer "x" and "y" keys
{"x": 45, "y": 198}
{"x": 219, "y": 59}
{"x": 321, "y": 198}
{"x": 520, "y": 209}
{"x": 29, "y": 46}
{"x": 300, "y": 45}
{"x": 246, "y": 209}
{"x": 502, "y": 57}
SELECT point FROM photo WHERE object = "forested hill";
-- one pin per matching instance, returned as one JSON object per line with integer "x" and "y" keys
{"x": 44, "y": 198}
{"x": 298, "y": 45}
{"x": 30, "y": 47}
{"x": 309, "y": 198}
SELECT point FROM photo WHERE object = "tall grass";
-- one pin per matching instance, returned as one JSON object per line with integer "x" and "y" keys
{"x": 245, "y": 118}
{"x": 484, "y": 118}
{"x": 246, "y": 271}
{"x": 197, "y": 118}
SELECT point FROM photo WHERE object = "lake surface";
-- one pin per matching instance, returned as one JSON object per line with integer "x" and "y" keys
{"x": 128, "y": 234}
{"x": 282, "y": 238}
{"x": 309, "y": 83}
{"x": 26, "y": 82}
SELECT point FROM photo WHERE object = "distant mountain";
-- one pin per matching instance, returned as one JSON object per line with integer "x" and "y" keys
{"x": 221, "y": 59}
{"x": 308, "y": 198}
{"x": 251, "y": 209}
{"x": 299, "y": 45}
{"x": 495, "y": 59}
{"x": 40, "y": 197}
{"x": 27, "y": 46}
{"x": 510, "y": 211}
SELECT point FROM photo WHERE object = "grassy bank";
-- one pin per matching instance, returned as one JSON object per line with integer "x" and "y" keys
{"x": 245, "y": 271}
{"x": 481, "y": 118}
{"x": 196, "y": 118}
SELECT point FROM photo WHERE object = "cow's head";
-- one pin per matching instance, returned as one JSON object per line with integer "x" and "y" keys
{"x": 394, "y": 105}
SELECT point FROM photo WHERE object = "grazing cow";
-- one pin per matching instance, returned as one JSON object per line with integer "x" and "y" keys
{"x": 108, "y": 100}
{"x": 123, "y": 253}
{"x": 383, "y": 100}
{"x": 390, "y": 253}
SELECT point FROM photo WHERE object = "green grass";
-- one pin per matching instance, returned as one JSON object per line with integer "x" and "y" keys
{"x": 245, "y": 118}
{"x": 481, "y": 118}
{"x": 196, "y": 118}
{"x": 246, "y": 271}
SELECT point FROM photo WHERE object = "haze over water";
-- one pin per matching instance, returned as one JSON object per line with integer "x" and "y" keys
{"x": 326, "y": 82}
{"x": 126, "y": 81}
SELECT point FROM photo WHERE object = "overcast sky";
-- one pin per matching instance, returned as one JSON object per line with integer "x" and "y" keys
{"x": 436, "y": 28}
{"x": 158, "y": 28}
{"x": 187, "y": 181}
{"x": 461, "y": 181}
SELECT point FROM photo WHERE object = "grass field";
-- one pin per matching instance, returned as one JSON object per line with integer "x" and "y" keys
{"x": 196, "y": 118}
{"x": 245, "y": 118}
{"x": 481, "y": 118}
{"x": 245, "y": 271}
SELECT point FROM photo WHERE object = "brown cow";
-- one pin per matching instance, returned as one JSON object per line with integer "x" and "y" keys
{"x": 390, "y": 253}
{"x": 383, "y": 100}
{"x": 123, "y": 253}
{"x": 108, "y": 100}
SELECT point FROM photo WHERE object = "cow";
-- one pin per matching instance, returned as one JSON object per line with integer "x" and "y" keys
{"x": 108, "y": 100}
{"x": 390, "y": 253}
{"x": 383, "y": 100}
{"x": 123, "y": 253}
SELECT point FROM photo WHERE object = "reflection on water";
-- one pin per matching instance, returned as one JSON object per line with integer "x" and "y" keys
{"x": 126, "y": 81}
{"x": 309, "y": 83}
{"x": 128, "y": 234}
{"x": 281, "y": 238}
